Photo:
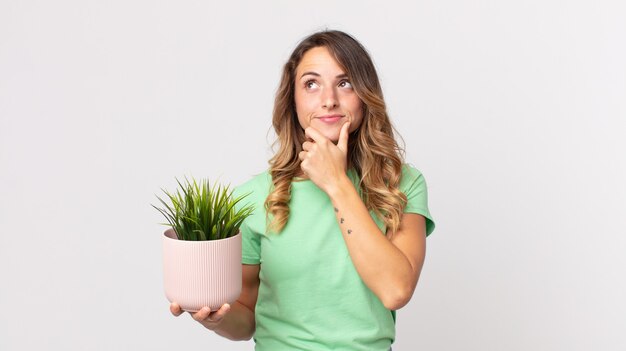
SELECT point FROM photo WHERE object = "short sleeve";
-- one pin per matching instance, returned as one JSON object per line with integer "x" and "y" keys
{"x": 250, "y": 241}
{"x": 250, "y": 246}
{"x": 413, "y": 185}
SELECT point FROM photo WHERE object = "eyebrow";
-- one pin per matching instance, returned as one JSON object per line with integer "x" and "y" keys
{"x": 343, "y": 75}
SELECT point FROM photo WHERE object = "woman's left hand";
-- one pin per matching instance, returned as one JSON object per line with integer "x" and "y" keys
{"x": 322, "y": 161}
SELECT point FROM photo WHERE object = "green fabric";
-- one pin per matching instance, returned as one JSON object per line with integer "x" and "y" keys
{"x": 310, "y": 295}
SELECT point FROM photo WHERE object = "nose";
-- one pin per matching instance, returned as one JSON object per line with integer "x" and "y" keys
{"x": 329, "y": 98}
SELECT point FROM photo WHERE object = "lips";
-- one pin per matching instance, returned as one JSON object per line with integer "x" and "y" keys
{"x": 330, "y": 118}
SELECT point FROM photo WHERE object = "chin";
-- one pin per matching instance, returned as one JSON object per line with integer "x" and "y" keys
{"x": 333, "y": 137}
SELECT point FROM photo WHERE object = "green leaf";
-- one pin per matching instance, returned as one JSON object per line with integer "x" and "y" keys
{"x": 203, "y": 211}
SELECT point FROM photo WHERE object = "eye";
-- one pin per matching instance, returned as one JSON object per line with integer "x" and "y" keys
{"x": 311, "y": 84}
{"x": 345, "y": 84}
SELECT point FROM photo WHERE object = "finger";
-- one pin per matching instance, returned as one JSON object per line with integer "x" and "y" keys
{"x": 315, "y": 135}
{"x": 175, "y": 309}
{"x": 302, "y": 155}
{"x": 220, "y": 313}
{"x": 342, "y": 144}
{"x": 307, "y": 145}
{"x": 201, "y": 315}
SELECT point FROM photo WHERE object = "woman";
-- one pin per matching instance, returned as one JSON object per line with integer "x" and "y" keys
{"x": 337, "y": 242}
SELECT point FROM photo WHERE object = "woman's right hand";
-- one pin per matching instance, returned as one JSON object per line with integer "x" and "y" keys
{"x": 209, "y": 319}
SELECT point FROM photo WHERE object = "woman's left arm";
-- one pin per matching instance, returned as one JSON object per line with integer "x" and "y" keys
{"x": 390, "y": 268}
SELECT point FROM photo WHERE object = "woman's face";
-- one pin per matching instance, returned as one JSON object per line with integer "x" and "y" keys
{"x": 324, "y": 96}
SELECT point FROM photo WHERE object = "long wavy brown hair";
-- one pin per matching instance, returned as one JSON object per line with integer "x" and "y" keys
{"x": 372, "y": 149}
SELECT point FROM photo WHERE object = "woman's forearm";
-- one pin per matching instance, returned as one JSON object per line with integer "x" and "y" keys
{"x": 238, "y": 323}
{"x": 371, "y": 252}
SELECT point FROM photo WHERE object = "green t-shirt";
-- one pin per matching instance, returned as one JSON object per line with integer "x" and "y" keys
{"x": 310, "y": 295}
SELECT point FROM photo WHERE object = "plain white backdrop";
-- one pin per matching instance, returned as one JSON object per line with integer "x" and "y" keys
{"x": 514, "y": 111}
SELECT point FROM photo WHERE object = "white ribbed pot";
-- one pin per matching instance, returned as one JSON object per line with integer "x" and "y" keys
{"x": 201, "y": 273}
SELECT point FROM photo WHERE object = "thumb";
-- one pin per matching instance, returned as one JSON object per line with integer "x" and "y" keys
{"x": 342, "y": 144}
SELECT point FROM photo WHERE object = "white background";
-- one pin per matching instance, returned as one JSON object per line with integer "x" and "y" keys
{"x": 514, "y": 111}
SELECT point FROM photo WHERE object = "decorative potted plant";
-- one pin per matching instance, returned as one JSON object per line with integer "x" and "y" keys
{"x": 202, "y": 249}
